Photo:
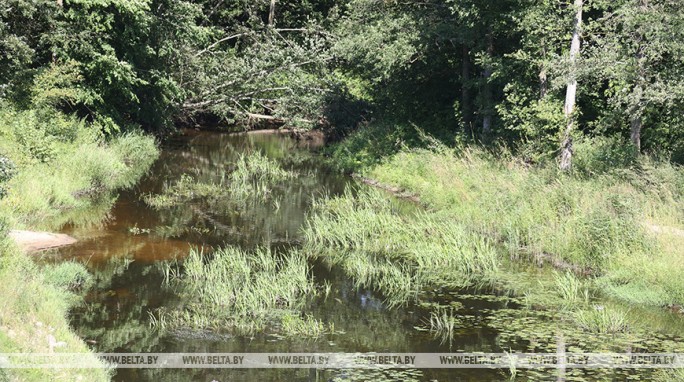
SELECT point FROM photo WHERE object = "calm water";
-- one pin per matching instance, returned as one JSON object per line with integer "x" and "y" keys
{"x": 125, "y": 250}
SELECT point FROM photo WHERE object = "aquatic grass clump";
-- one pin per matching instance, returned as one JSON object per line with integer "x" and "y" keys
{"x": 602, "y": 320}
{"x": 443, "y": 323}
{"x": 571, "y": 289}
{"x": 241, "y": 292}
{"x": 185, "y": 189}
{"x": 304, "y": 326}
{"x": 380, "y": 248}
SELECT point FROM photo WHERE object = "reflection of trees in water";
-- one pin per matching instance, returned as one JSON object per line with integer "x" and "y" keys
{"x": 115, "y": 314}
{"x": 252, "y": 220}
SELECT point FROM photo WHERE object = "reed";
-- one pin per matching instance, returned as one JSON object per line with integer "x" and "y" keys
{"x": 242, "y": 292}
{"x": 399, "y": 255}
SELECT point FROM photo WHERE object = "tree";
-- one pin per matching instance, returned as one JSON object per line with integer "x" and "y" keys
{"x": 636, "y": 53}
{"x": 571, "y": 93}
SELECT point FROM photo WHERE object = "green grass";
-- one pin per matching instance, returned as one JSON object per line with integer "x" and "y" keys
{"x": 64, "y": 165}
{"x": 443, "y": 323}
{"x": 63, "y": 171}
{"x": 242, "y": 292}
{"x": 399, "y": 255}
{"x": 602, "y": 320}
{"x": 35, "y": 303}
{"x": 601, "y": 223}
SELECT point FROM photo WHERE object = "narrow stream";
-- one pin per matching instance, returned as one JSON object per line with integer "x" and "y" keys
{"x": 125, "y": 250}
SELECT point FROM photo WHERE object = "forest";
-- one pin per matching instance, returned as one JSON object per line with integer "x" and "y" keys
{"x": 520, "y": 133}
{"x": 540, "y": 78}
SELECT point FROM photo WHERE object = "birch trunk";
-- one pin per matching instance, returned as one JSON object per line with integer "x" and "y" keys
{"x": 571, "y": 92}
{"x": 271, "y": 13}
{"x": 487, "y": 117}
{"x": 465, "y": 92}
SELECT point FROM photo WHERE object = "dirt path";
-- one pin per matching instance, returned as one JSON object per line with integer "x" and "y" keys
{"x": 31, "y": 241}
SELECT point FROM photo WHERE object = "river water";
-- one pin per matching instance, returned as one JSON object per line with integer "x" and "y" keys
{"x": 125, "y": 249}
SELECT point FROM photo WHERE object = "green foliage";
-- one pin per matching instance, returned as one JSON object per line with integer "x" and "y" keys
{"x": 7, "y": 171}
{"x": 35, "y": 306}
{"x": 63, "y": 164}
{"x": 243, "y": 292}
{"x": 602, "y": 155}
{"x": 398, "y": 255}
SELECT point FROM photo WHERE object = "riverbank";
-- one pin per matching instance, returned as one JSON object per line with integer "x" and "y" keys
{"x": 55, "y": 170}
{"x": 598, "y": 223}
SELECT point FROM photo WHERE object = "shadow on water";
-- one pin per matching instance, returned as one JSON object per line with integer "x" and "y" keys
{"x": 124, "y": 253}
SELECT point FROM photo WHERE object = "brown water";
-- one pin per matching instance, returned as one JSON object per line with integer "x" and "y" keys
{"x": 125, "y": 250}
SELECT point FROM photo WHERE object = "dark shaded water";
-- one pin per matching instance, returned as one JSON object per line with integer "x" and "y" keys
{"x": 124, "y": 253}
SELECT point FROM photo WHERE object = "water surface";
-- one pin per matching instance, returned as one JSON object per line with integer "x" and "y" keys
{"x": 126, "y": 249}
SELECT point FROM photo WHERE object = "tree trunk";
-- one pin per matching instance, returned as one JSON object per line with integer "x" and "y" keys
{"x": 635, "y": 132}
{"x": 487, "y": 96}
{"x": 271, "y": 13}
{"x": 465, "y": 93}
{"x": 571, "y": 92}
{"x": 543, "y": 78}
{"x": 637, "y": 111}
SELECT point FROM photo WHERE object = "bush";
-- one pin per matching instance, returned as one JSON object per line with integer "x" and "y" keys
{"x": 603, "y": 155}
{"x": 7, "y": 171}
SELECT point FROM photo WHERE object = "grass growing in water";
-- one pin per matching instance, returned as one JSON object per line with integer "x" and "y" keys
{"x": 243, "y": 292}
{"x": 398, "y": 255}
{"x": 443, "y": 323}
{"x": 602, "y": 320}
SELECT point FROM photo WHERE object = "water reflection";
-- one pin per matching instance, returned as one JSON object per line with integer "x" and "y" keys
{"x": 123, "y": 249}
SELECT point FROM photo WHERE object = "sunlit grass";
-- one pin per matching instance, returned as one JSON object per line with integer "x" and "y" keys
{"x": 398, "y": 255}
{"x": 242, "y": 292}
{"x": 33, "y": 318}
{"x": 602, "y": 224}
{"x": 602, "y": 320}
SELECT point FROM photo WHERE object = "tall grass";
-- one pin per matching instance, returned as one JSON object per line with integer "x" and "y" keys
{"x": 572, "y": 291}
{"x": 398, "y": 255}
{"x": 243, "y": 292}
{"x": 35, "y": 303}
{"x": 602, "y": 320}
{"x": 64, "y": 164}
{"x": 602, "y": 223}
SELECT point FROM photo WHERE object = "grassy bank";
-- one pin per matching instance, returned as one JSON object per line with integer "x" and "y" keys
{"x": 64, "y": 165}
{"x": 33, "y": 318}
{"x": 616, "y": 217}
{"x": 54, "y": 169}
{"x": 604, "y": 224}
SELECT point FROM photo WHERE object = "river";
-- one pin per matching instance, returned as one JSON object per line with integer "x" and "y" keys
{"x": 124, "y": 251}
